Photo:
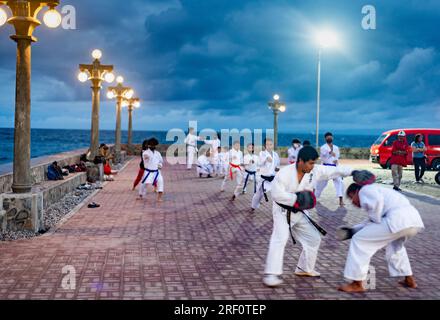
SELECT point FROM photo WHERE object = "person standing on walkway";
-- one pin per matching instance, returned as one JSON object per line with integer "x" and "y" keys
{"x": 153, "y": 163}
{"x": 191, "y": 148}
{"x": 235, "y": 170}
{"x": 223, "y": 162}
{"x": 292, "y": 187}
{"x": 250, "y": 167}
{"x": 419, "y": 158}
{"x": 292, "y": 152}
{"x": 391, "y": 222}
{"x": 269, "y": 162}
{"x": 141, "y": 165}
{"x": 330, "y": 157}
{"x": 399, "y": 153}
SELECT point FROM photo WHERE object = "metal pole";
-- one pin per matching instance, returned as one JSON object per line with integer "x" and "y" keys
{"x": 318, "y": 96}
{"x": 275, "y": 128}
{"x": 94, "y": 132}
{"x": 130, "y": 125}
{"x": 118, "y": 130}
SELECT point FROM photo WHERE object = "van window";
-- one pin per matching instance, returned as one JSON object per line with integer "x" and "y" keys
{"x": 390, "y": 140}
{"x": 379, "y": 140}
{"x": 434, "y": 139}
{"x": 410, "y": 138}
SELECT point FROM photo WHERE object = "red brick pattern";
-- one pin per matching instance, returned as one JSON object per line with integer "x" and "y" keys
{"x": 195, "y": 245}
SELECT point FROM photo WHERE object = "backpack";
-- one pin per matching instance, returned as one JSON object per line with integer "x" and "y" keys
{"x": 53, "y": 174}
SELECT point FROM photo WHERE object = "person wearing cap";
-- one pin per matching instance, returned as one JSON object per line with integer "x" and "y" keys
{"x": 292, "y": 152}
{"x": 399, "y": 153}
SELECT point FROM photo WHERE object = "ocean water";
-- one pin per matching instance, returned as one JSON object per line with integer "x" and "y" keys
{"x": 51, "y": 141}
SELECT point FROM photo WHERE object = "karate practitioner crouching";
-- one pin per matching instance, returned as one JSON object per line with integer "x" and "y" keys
{"x": 204, "y": 166}
{"x": 289, "y": 181}
{"x": 153, "y": 163}
{"x": 392, "y": 221}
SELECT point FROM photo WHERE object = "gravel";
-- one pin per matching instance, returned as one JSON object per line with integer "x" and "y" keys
{"x": 54, "y": 213}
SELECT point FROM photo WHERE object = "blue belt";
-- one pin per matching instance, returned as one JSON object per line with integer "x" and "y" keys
{"x": 250, "y": 173}
{"x": 148, "y": 174}
{"x": 329, "y": 164}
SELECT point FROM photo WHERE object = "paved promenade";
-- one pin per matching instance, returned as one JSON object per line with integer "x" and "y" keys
{"x": 196, "y": 245}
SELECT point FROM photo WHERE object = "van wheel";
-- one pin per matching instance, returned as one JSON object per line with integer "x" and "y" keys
{"x": 437, "y": 178}
{"x": 435, "y": 165}
{"x": 388, "y": 164}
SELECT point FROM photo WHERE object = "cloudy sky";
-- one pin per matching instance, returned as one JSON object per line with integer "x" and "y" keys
{"x": 220, "y": 61}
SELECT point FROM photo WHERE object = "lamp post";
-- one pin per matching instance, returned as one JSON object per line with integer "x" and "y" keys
{"x": 276, "y": 107}
{"x": 24, "y": 19}
{"x": 96, "y": 73}
{"x": 324, "y": 39}
{"x": 130, "y": 104}
{"x": 119, "y": 92}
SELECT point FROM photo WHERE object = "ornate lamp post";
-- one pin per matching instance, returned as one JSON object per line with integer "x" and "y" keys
{"x": 119, "y": 92}
{"x": 24, "y": 19}
{"x": 96, "y": 73}
{"x": 276, "y": 107}
{"x": 130, "y": 104}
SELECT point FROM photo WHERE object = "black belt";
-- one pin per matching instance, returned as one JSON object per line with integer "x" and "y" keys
{"x": 289, "y": 210}
{"x": 148, "y": 174}
{"x": 269, "y": 179}
{"x": 249, "y": 173}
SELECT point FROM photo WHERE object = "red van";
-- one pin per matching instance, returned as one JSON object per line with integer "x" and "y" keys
{"x": 380, "y": 151}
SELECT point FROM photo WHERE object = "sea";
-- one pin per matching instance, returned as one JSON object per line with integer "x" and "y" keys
{"x": 52, "y": 141}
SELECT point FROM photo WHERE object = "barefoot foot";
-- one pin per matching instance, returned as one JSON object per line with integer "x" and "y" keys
{"x": 355, "y": 286}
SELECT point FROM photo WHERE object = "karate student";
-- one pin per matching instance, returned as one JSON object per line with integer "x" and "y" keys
{"x": 292, "y": 152}
{"x": 153, "y": 163}
{"x": 250, "y": 161}
{"x": 214, "y": 145}
{"x": 223, "y": 161}
{"x": 269, "y": 162}
{"x": 330, "y": 157}
{"x": 235, "y": 170}
{"x": 291, "y": 184}
{"x": 204, "y": 166}
{"x": 392, "y": 221}
{"x": 191, "y": 147}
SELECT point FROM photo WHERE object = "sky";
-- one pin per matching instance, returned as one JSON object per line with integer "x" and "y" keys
{"x": 219, "y": 62}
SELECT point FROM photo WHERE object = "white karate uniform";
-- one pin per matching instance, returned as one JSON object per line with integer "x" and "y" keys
{"x": 266, "y": 169}
{"x": 392, "y": 220}
{"x": 292, "y": 154}
{"x": 250, "y": 165}
{"x": 236, "y": 159}
{"x": 223, "y": 163}
{"x": 204, "y": 166}
{"x": 284, "y": 188}
{"x": 328, "y": 160}
{"x": 214, "y": 144}
{"x": 153, "y": 162}
{"x": 191, "y": 149}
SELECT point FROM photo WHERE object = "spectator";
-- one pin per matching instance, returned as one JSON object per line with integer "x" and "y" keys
{"x": 418, "y": 150}
{"x": 306, "y": 143}
{"x": 399, "y": 153}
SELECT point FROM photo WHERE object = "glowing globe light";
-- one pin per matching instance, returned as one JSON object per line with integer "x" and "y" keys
{"x": 129, "y": 94}
{"x": 119, "y": 79}
{"x": 96, "y": 54}
{"x": 282, "y": 108}
{"x": 124, "y": 103}
{"x": 110, "y": 95}
{"x": 83, "y": 77}
{"x": 3, "y": 17}
{"x": 109, "y": 77}
{"x": 276, "y": 97}
{"x": 52, "y": 18}
{"x": 137, "y": 104}
{"x": 327, "y": 38}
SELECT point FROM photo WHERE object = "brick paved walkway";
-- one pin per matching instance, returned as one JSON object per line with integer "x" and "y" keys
{"x": 194, "y": 245}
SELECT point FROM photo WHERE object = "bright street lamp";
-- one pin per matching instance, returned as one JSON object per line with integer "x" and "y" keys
{"x": 276, "y": 107}
{"x": 25, "y": 20}
{"x": 52, "y": 18}
{"x": 119, "y": 92}
{"x": 96, "y": 73}
{"x": 131, "y": 104}
{"x": 324, "y": 39}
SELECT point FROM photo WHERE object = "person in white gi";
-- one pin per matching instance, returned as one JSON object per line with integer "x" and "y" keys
{"x": 250, "y": 161}
{"x": 214, "y": 154}
{"x": 223, "y": 162}
{"x": 153, "y": 163}
{"x": 204, "y": 166}
{"x": 235, "y": 170}
{"x": 191, "y": 148}
{"x": 292, "y": 152}
{"x": 330, "y": 157}
{"x": 269, "y": 162}
{"x": 392, "y": 221}
{"x": 291, "y": 179}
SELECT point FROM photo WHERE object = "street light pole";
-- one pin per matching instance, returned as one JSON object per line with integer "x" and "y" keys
{"x": 131, "y": 104}
{"x": 276, "y": 107}
{"x": 119, "y": 92}
{"x": 25, "y": 21}
{"x": 318, "y": 98}
{"x": 96, "y": 73}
